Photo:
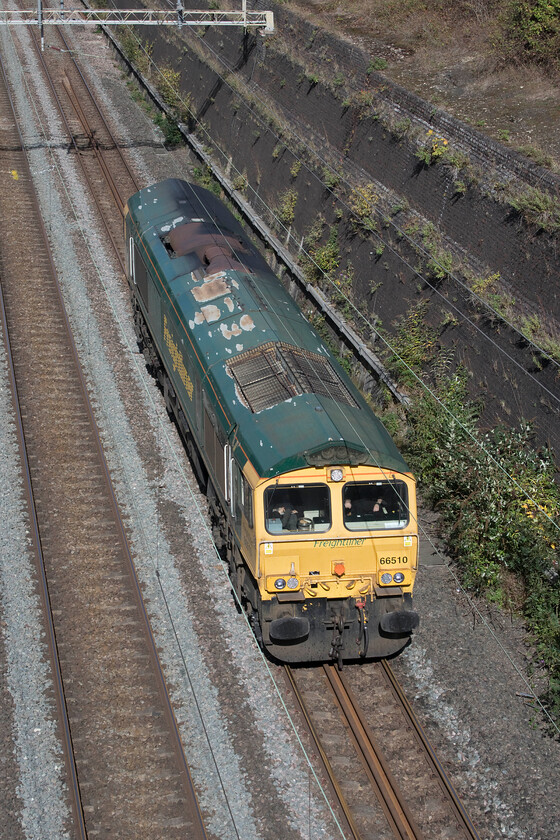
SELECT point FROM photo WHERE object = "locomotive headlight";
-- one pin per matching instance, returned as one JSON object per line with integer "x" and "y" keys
{"x": 337, "y": 475}
{"x": 280, "y": 583}
{"x": 293, "y": 583}
{"x": 398, "y": 577}
{"x": 386, "y": 577}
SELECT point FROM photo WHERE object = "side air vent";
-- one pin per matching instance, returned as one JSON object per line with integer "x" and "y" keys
{"x": 275, "y": 372}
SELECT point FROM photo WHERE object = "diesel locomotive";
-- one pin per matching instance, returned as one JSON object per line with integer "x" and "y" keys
{"x": 311, "y": 503}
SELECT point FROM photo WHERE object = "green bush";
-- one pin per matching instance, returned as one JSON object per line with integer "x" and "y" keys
{"x": 497, "y": 496}
{"x": 531, "y": 32}
{"x": 171, "y": 131}
{"x": 287, "y": 207}
{"x": 325, "y": 256}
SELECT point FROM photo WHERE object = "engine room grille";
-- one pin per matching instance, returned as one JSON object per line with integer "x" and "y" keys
{"x": 275, "y": 372}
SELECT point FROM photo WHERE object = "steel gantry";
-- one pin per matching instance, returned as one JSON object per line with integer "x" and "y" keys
{"x": 137, "y": 17}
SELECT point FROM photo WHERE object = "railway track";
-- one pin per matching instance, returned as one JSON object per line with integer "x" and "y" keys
{"x": 127, "y": 772}
{"x": 384, "y": 791}
{"x": 109, "y": 178}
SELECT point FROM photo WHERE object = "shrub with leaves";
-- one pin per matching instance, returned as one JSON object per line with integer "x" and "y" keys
{"x": 287, "y": 207}
{"x": 531, "y": 32}
{"x": 497, "y": 495}
{"x": 362, "y": 201}
{"x": 138, "y": 52}
{"x": 168, "y": 85}
{"x": 433, "y": 149}
{"x": 325, "y": 256}
{"x": 171, "y": 131}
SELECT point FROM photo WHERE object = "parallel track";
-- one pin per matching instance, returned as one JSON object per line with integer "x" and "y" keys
{"x": 127, "y": 772}
{"x": 109, "y": 178}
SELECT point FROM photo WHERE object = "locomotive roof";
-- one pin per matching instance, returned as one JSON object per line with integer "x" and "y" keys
{"x": 271, "y": 377}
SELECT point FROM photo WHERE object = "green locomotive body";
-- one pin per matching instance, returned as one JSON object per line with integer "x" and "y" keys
{"x": 290, "y": 454}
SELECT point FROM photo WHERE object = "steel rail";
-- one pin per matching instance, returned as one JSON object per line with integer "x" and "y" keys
{"x": 456, "y": 804}
{"x": 94, "y": 144}
{"x": 74, "y": 100}
{"x": 56, "y": 98}
{"x": 326, "y": 763}
{"x": 382, "y": 780}
{"x": 118, "y": 197}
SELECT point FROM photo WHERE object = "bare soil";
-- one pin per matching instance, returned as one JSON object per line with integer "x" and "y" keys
{"x": 447, "y": 54}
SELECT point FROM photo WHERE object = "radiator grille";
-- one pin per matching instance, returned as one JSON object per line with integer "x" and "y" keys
{"x": 275, "y": 372}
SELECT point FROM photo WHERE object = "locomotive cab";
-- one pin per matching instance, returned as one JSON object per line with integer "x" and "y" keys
{"x": 337, "y": 555}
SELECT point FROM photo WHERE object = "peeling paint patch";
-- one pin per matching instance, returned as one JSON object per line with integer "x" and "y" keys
{"x": 239, "y": 347}
{"x": 199, "y": 318}
{"x": 211, "y": 313}
{"x": 171, "y": 225}
{"x": 213, "y": 287}
{"x": 235, "y": 284}
{"x": 246, "y": 323}
{"x": 229, "y": 303}
{"x": 228, "y": 332}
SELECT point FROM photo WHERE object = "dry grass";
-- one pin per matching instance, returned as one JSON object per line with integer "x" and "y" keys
{"x": 445, "y": 51}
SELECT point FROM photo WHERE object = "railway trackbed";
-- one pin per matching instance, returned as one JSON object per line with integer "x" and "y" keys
{"x": 109, "y": 178}
{"x": 127, "y": 772}
{"x": 385, "y": 775}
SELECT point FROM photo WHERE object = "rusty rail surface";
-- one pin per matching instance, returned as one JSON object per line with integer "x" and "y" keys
{"x": 383, "y": 783}
{"x": 355, "y": 760}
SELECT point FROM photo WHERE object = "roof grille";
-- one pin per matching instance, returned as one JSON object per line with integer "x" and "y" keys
{"x": 274, "y": 372}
